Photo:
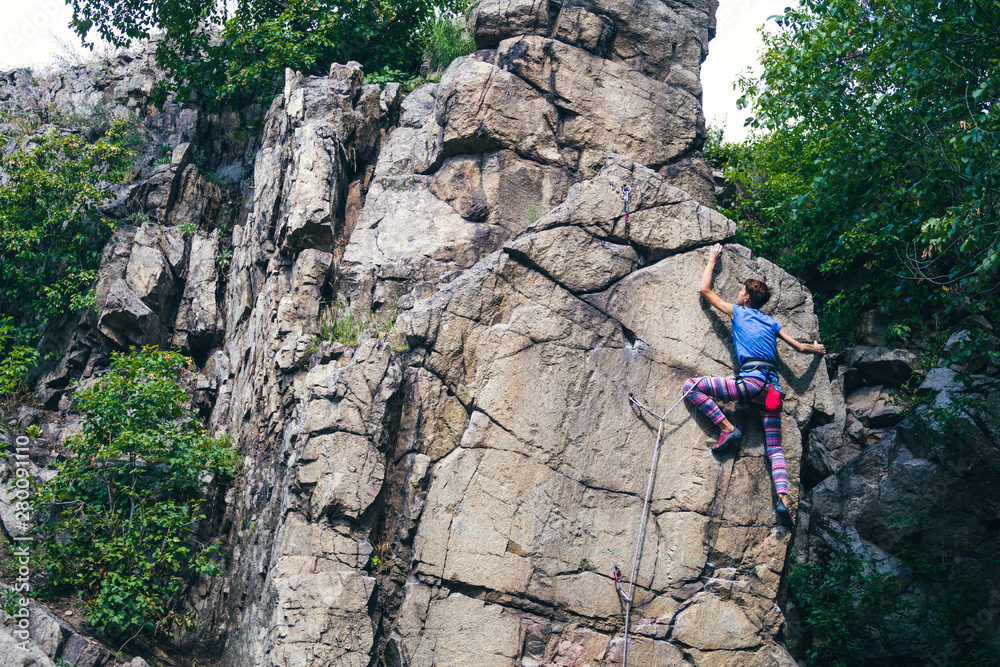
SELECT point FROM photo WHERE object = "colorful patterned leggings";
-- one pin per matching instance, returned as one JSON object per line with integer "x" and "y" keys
{"x": 703, "y": 390}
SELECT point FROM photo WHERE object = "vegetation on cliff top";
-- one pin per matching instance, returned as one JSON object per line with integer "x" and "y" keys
{"x": 875, "y": 174}
{"x": 231, "y": 57}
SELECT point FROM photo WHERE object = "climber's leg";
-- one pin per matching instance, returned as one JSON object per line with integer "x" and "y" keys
{"x": 772, "y": 435}
{"x": 703, "y": 390}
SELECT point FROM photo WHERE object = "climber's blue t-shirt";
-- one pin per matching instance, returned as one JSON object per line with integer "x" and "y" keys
{"x": 756, "y": 337}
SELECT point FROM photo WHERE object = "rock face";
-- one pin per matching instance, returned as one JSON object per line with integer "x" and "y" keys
{"x": 453, "y": 483}
{"x": 159, "y": 274}
{"x": 457, "y": 490}
{"x": 885, "y": 493}
{"x": 864, "y": 387}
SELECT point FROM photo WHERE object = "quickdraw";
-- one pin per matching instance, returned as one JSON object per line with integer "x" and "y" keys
{"x": 645, "y": 512}
{"x": 618, "y": 581}
{"x": 627, "y": 196}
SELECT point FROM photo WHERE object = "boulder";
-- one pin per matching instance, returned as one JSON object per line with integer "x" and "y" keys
{"x": 298, "y": 313}
{"x": 655, "y": 37}
{"x": 11, "y": 654}
{"x": 694, "y": 176}
{"x": 482, "y": 107}
{"x": 832, "y": 445}
{"x": 319, "y": 116}
{"x": 129, "y": 199}
{"x": 500, "y": 188}
{"x": 84, "y": 652}
{"x": 50, "y": 641}
{"x": 169, "y": 241}
{"x": 198, "y": 322}
{"x": 164, "y": 184}
{"x": 435, "y": 430}
{"x": 878, "y": 366}
{"x": 344, "y": 473}
{"x": 198, "y": 199}
{"x": 149, "y": 276}
{"x": 575, "y": 259}
{"x": 404, "y": 241}
{"x": 495, "y": 20}
{"x": 647, "y": 36}
{"x": 711, "y": 623}
{"x": 174, "y": 125}
{"x": 321, "y": 619}
{"x": 415, "y": 146}
{"x": 875, "y": 407}
{"x": 663, "y": 220}
{"x": 971, "y": 348}
{"x": 577, "y": 26}
{"x": 125, "y": 319}
{"x": 458, "y": 627}
{"x": 603, "y": 107}
{"x": 939, "y": 380}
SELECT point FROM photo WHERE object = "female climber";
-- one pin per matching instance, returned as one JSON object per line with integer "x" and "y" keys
{"x": 755, "y": 336}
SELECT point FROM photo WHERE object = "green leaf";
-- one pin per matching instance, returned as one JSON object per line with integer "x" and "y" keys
{"x": 122, "y": 508}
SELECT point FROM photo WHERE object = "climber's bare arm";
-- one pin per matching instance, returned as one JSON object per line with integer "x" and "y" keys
{"x": 706, "y": 282}
{"x": 813, "y": 348}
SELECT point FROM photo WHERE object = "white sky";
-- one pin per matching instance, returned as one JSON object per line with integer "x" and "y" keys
{"x": 736, "y": 48}
{"x": 30, "y": 32}
{"x": 36, "y": 33}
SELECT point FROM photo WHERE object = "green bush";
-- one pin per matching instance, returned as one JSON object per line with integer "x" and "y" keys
{"x": 51, "y": 233}
{"x": 845, "y": 602}
{"x": 446, "y": 37}
{"x": 385, "y": 75}
{"x": 960, "y": 622}
{"x": 118, "y": 520}
{"x": 10, "y": 598}
{"x": 341, "y": 324}
{"x": 17, "y": 360}
{"x": 715, "y": 149}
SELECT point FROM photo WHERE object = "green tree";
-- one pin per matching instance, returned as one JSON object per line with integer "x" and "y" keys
{"x": 51, "y": 233}
{"x": 230, "y": 58}
{"x": 118, "y": 520}
{"x": 876, "y": 172}
{"x": 845, "y": 602}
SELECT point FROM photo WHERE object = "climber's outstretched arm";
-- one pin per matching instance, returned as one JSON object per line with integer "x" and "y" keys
{"x": 814, "y": 348}
{"x": 706, "y": 282}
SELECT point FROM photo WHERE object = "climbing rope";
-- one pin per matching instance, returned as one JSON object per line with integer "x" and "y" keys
{"x": 627, "y": 196}
{"x": 645, "y": 508}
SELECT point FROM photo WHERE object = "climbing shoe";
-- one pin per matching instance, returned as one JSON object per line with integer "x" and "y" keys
{"x": 727, "y": 440}
{"x": 784, "y": 516}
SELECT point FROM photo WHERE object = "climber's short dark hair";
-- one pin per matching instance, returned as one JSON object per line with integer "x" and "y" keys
{"x": 758, "y": 292}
